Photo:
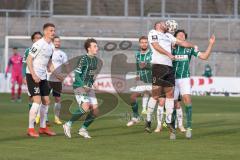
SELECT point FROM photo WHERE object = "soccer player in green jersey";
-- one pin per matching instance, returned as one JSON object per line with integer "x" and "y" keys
{"x": 144, "y": 79}
{"x": 35, "y": 37}
{"x": 85, "y": 74}
{"x": 182, "y": 74}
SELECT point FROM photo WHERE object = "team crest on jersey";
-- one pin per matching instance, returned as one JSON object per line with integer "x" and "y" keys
{"x": 154, "y": 37}
{"x": 34, "y": 50}
{"x": 188, "y": 50}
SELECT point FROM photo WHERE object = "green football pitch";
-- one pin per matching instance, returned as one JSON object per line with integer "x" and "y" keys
{"x": 216, "y": 135}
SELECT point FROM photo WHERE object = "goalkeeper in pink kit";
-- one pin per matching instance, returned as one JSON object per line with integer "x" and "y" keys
{"x": 15, "y": 66}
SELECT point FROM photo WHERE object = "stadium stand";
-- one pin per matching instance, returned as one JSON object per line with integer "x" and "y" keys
{"x": 108, "y": 20}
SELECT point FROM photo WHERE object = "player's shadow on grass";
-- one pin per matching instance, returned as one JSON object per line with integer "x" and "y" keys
{"x": 14, "y": 138}
{"x": 124, "y": 131}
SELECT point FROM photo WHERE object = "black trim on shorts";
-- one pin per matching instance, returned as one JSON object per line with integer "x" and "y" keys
{"x": 37, "y": 89}
{"x": 163, "y": 75}
{"x": 56, "y": 88}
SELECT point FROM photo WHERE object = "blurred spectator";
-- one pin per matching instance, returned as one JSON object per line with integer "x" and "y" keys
{"x": 207, "y": 71}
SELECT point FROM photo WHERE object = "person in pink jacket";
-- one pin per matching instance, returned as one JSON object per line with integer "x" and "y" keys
{"x": 15, "y": 67}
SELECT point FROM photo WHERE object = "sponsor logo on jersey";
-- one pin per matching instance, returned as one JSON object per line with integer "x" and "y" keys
{"x": 188, "y": 50}
{"x": 34, "y": 50}
{"x": 181, "y": 57}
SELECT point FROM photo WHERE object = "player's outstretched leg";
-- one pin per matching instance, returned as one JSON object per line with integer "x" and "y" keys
{"x": 145, "y": 99}
{"x": 169, "y": 104}
{"x": 57, "y": 108}
{"x": 188, "y": 111}
{"x": 19, "y": 89}
{"x": 13, "y": 93}
{"x": 76, "y": 115}
{"x": 37, "y": 119}
{"x": 135, "y": 119}
{"x": 43, "y": 117}
{"x": 88, "y": 121}
{"x": 32, "y": 115}
{"x": 179, "y": 116}
{"x": 160, "y": 111}
{"x": 151, "y": 106}
{"x": 83, "y": 130}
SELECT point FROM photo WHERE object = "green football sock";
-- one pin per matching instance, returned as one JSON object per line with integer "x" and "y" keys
{"x": 29, "y": 105}
{"x": 76, "y": 115}
{"x": 88, "y": 121}
{"x": 188, "y": 110}
{"x": 135, "y": 109}
{"x": 174, "y": 116}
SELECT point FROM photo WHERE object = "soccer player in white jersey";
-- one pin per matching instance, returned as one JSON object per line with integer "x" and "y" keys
{"x": 38, "y": 61}
{"x": 35, "y": 37}
{"x": 182, "y": 74}
{"x": 59, "y": 60}
{"x": 163, "y": 74}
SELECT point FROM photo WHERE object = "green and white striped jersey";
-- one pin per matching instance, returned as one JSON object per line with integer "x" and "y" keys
{"x": 182, "y": 61}
{"x": 25, "y": 61}
{"x": 86, "y": 71}
{"x": 145, "y": 73}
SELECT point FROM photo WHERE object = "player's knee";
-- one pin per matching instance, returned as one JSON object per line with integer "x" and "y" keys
{"x": 86, "y": 106}
{"x": 170, "y": 94}
{"x": 36, "y": 99}
{"x": 46, "y": 101}
{"x": 95, "y": 111}
{"x": 161, "y": 101}
{"x": 177, "y": 105}
{"x": 187, "y": 100}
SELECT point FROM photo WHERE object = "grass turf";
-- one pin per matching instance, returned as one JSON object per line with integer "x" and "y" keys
{"x": 216, "y": 135}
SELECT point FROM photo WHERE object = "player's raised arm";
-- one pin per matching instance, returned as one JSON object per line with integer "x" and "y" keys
{"x": 154, "y": 41}
{"x": 158, "y": 48}
{"x": 185, "y": 43}
{"x": 206, "y": 54}
{"x": 8, "y": 67}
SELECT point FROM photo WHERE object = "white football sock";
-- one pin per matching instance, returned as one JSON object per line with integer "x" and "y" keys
{"x": 169, "y": 105}
{"x": 151, "y": 106}
{"x": 56, "y": 109}
{"x": 180, "y": 116}
{"x": 46, "y": 113}
{"x": 159, "y": 116}
{"x": 38, "y": 112}
{"x": 145, "y": 101}
{"x": 32, "y": 114}
{"x": 43, "y": 115}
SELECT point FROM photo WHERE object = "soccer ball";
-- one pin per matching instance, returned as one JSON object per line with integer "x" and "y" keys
{"x": 172, "y": 25}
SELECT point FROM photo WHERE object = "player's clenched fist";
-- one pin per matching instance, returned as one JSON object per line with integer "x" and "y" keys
{"x": 212, "y": 39}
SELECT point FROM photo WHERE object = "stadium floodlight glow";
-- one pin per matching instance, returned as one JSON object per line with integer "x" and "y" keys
{"x": 111, "y": 39}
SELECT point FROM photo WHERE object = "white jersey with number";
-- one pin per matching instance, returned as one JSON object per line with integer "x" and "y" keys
{"x": 165, "y": 40}
{"x": 58, "y": 59}
{"x": 41, "y": 51}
